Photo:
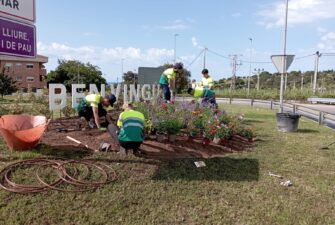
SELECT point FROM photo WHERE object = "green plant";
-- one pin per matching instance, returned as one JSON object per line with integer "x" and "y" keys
{"x": 246, "y": 132}
{"x": 68, "y": 111}
{"x": 173, "y": 126}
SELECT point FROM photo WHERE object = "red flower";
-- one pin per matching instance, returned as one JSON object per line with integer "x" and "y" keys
{"x": 164, "y": 106}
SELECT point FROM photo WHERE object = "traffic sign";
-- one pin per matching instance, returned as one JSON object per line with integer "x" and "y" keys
{"x": 23, "y": 10}
{"x": 17, "y": 39}
{"x": 279, "y": 60}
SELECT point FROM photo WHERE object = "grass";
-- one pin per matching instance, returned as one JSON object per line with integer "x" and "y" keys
{"x": 231, "y": 190}
{"x": 268, "y": 94}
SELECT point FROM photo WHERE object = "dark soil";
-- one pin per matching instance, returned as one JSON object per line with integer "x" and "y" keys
{"x": 181, "y": 148}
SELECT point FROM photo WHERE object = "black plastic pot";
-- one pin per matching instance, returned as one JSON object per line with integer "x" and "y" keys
{"x": 288, "y": 122}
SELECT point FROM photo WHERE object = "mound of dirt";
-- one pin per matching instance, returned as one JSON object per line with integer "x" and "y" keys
{"x": 56, "y": 138}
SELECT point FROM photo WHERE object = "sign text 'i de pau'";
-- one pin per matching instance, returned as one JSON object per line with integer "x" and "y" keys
{"x": 17, "y": 30}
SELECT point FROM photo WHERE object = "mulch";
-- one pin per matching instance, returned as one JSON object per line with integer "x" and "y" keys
{"x": 180, "y": 149}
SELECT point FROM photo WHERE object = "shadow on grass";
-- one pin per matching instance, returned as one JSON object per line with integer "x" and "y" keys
{"x": 308, "y": 131}
{"x": 62, "y": 153}
{"x": 252, "y": 121}
{"x": 219, "y": 169}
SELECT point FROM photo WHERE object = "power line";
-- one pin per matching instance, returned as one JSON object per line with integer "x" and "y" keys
{"x": 218, "y": 54}
{"x": 196, "y": 58}
{"x": 303, "y": 57}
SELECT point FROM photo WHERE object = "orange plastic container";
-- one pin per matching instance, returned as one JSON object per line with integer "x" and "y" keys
{"x": 22, "y": 132}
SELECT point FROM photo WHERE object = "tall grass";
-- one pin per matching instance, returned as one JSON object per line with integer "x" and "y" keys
{"x": 273, "y": 94}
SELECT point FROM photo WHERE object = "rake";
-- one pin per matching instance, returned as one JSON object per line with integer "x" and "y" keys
{"x": 327, "y": 146}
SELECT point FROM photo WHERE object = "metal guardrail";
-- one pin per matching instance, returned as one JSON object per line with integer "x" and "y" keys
{"x": 319, "y": 116}
{"x": 323, "y": 118}
{"x": 322, "y": 100}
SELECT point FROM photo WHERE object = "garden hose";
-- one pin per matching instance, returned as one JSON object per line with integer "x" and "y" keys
{"x": 65, "y": 178}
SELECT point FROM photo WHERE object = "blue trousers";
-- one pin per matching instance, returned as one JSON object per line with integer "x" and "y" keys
{"x": 166, "y": 92}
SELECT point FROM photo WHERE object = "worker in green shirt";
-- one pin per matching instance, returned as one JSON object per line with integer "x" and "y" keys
{"x": 94, "y": 106}
{"x": 168, "y": 80}
{"x": 131, "y": 124}
{"x": 207, "y": 95}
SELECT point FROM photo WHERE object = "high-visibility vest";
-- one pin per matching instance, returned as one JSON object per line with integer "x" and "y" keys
{"x": 131, "y": 125}
{"x": 207, "y": 82}
{"x": 201, "y": 92}
{"x": 92, "y": 100}
{"x": 167, "y": 75}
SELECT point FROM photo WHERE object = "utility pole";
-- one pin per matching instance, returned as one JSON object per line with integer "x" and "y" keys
{"x": 317, "y": 59}
{"x": 205, "y": 54}
{"x": 258, "y": 72}
{"x": 234, "y": 70}
{"x": 78, "y": 73}
{"x": 249, "y": 77}
{"x": 175, "y": 48}
{"x": 302, "y": 81}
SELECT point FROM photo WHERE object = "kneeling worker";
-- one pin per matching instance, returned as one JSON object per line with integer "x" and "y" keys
{"x": 131, "y": 124}
{"x": 207, "y": 95}
{"x": 94, "y": 106}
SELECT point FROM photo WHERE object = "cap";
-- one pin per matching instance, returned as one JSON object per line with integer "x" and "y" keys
{"x": 112, "y": 99}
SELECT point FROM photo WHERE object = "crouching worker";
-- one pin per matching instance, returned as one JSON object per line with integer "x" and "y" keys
{"x": 94, "y": 106}
{"x": 131, "y": 124}
{"x": 207, "y": 95}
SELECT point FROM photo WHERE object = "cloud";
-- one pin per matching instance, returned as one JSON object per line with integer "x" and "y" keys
{"x": 177, "y": 25}
{"x": 236, "y": 15}
{"x": 105, "y": 57}
{"x": 327, "y": 42}
{"x": 194, "y": 41}
{"x": 300, "y": 12}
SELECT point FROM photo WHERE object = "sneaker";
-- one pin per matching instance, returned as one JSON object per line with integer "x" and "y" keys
{"x": 137, "y": 153}
{"x": 123, "y": 151}
{"x": 91, "y": 124}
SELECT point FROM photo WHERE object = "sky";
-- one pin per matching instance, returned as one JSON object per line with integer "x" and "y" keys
{"x": 142, "y": 32}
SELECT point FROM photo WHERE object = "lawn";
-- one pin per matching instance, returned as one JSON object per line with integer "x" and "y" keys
{"x": 235, "y": 189}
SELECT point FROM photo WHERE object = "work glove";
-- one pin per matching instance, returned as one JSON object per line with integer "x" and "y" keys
{"x": 102, "y": 129}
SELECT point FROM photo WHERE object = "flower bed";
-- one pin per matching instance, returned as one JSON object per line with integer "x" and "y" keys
{"x": 209, "y": 125}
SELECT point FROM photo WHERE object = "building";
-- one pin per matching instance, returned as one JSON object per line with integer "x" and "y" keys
{"x": 149, "y": 75}
{"x": 29, "y": 73}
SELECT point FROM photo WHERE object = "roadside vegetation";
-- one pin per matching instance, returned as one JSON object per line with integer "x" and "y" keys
{"x": 235, "y": 189}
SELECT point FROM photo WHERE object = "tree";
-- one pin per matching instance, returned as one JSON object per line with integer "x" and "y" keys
{"x": 67, "y": 74}
{"x": 183, "y": 81}
{"x": 128, "y": 78}
{"x": 7, "y": 85}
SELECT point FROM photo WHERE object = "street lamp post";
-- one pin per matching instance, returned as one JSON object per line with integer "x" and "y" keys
{"x": 175, "y": 48}
{"x": 250, "y": 39}
{"x": 284, "y": 61}
{"x": 122, "y": 62}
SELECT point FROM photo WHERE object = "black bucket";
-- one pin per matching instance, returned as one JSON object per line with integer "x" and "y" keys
{"x": 288, "y": 122}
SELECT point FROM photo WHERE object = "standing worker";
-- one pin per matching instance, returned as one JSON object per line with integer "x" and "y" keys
{"x": 131, "y": 124}
{"x": 94, "y": 106}
{"x": 207, "y": 81}
{"x": 168, "y": 80}
{"x": 207, "y": 95}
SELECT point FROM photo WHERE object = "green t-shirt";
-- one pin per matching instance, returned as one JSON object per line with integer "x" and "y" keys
{"x": 131, "y": 125}
{"x": 167, "y": 75}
